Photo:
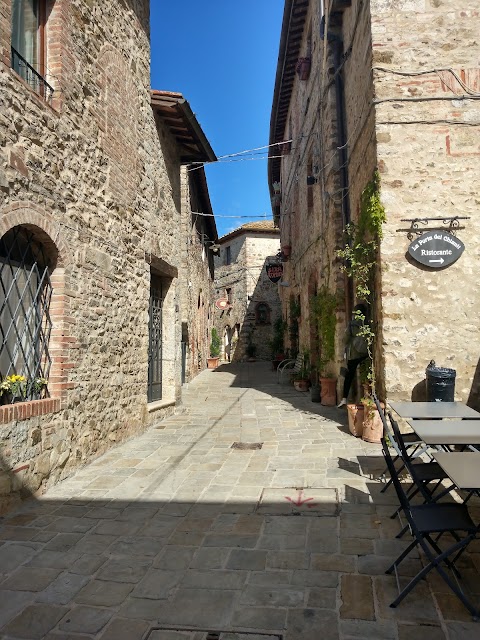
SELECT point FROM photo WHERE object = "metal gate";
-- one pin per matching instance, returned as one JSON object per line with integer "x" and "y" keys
{"x": 155, "y": 342}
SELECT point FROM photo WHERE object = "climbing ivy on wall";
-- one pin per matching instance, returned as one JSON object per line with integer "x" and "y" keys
{"x": 360, "y": 256}
{"x": 323, "y": 309}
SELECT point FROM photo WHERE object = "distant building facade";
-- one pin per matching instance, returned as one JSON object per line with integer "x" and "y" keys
{"x": 241, "y": 279}
{"x": 392, "y": 87}
{"x": 94, "y": 209}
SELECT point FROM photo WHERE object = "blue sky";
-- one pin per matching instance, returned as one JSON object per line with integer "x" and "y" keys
{"x": 222, "y": 56}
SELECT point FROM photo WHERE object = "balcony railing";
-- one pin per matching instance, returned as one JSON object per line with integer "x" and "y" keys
{"x": 31, "y": 76}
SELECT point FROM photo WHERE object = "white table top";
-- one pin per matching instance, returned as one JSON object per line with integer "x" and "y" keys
{"x": 427, "y": 410}
{"x": 447, "y": 431}
{"x": 462, "y": 468}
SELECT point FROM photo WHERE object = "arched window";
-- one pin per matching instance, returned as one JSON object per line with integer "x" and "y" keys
{"x": 262, "y": 313}
{"x": 25, "y": 323}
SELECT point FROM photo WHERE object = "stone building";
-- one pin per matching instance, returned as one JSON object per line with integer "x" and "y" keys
{"x": 252, "y": 303}
{"x": 92, "y": 234}
{"x": 387, "y": 86}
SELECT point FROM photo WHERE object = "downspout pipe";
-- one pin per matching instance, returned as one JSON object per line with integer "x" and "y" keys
{"x": 340, "y": 115}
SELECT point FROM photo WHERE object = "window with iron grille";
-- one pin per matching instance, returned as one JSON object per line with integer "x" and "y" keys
{"x": 28, "y": 50}
{"x": 25, "y": 295}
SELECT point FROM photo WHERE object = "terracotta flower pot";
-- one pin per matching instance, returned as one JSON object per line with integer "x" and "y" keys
{"x": 212, "y": 363}
{"x": 328, "y": 390}
{"x": 301, "y": 385}
{"x": 355, "y": 419}
{"x": 372, "y": 425}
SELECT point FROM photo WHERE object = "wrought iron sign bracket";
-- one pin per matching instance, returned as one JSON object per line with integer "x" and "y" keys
{"x": 418, "y": 226}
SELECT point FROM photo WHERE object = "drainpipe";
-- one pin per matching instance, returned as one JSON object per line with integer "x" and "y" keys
{"x": 341, "y": 132}
{"x": 340, "y": 114}
{"x": 341, "y": 141}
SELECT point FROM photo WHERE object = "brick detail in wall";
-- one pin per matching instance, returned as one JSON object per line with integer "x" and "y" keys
{"x": 25, "y": 410}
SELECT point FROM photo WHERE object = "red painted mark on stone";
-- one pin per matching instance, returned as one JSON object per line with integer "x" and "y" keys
{"x": 301, "y": 501}
{"x": 25, "y": 466}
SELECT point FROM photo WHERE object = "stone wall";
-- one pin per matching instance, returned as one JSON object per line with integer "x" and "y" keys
{"x": 99, "y": 182}
{"x": 427, "y": 128}
{"x": 197, "y": 272}
{"x": 419, "y": 127}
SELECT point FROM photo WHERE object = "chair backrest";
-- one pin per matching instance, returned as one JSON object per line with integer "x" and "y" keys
{"x": 402, "y": 497}
{"x": 398, "y": 438}
{"x": 387, "y": 432}
{"x": 298, "y": 363}
{"x": 410, "y": 467}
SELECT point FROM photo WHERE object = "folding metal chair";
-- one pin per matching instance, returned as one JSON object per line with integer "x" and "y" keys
{"x": 424, "y": 521}
{"x": 422, "y": 473}
{"x": 411, "y": 440}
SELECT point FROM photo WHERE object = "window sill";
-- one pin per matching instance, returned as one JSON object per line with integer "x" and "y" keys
{"x": 25, "y": 410}
{"x": 160, "y": 404}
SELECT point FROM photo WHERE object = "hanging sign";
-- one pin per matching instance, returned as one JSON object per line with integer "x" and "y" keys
{"x": 274, "y": 271}
{"x": 436, "y": 249}
{"x": 222, "y": 303}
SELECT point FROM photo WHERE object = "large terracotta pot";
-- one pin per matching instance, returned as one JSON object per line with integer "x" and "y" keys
{"x": 355, "y": 419}
{"x": 212, "y": 363}
{"x": 372, "y": 425}
{"x": 328, "y": 390}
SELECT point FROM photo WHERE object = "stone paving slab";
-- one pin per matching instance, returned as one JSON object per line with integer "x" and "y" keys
{"x": 174, "y": 527}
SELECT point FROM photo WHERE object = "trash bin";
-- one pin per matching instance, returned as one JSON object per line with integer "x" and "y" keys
{"x": 440, "y": 383}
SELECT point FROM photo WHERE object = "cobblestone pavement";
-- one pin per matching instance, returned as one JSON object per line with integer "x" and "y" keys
{"x": 176, "y": 529}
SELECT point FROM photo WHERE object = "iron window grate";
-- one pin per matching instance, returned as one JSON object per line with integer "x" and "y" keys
{"x": 25, "y": 322}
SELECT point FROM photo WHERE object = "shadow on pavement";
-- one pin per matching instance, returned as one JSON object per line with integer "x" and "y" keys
{"x": 178, "y": 535}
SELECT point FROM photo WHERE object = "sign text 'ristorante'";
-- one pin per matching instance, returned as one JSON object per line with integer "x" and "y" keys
{"x": 436, "y": 249}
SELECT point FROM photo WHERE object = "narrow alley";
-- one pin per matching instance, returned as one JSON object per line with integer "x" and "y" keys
{"x": 181, "y": 534}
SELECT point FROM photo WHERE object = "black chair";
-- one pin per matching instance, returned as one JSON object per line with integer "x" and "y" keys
{"x": 411, "y": 441}
{"x": 422, "y": 473}
{"x": 424, "y": 521}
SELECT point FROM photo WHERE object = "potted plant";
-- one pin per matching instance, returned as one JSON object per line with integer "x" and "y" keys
{"x": 360, "y": 259}
{"x": 13, "y": 389}
{"x": 372, "y": 422}
{"x": 212, "y": 362}
{"x": 328, "y": 389}
{"x": 356, "y": 415}
{"x": 301, "y": 379}
{"x": 39, "y": 387}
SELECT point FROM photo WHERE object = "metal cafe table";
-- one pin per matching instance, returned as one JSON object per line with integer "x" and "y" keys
{"x": 430, "y": 410}
{"x": 447, "y": 432}
{"x": 462, "y": 468}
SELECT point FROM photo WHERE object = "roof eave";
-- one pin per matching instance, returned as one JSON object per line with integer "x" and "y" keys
{"x": 170, "y": 106}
